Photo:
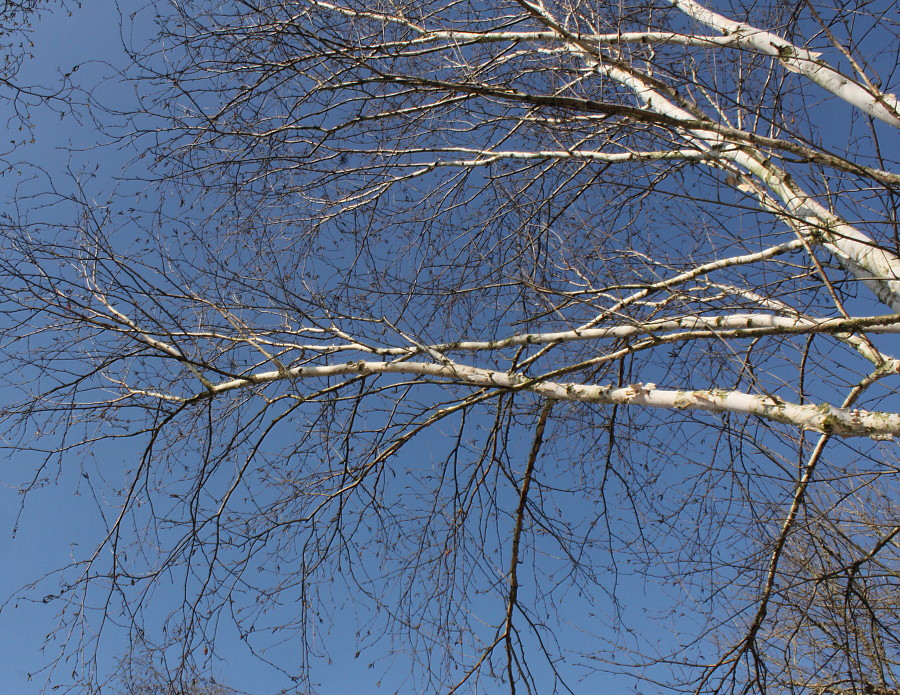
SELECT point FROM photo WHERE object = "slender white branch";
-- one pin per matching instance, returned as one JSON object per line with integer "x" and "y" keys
{"x": 688, "y": 275}
{"x": 858, "y": 342}
{"x": 690, "y": 327}
{"x": 491, "y": 156}
{"x": 144, "y": 337}
{"x": 735, "y": 325}
{"x": 645, "y": 37}
{"x": 745, "y": 325}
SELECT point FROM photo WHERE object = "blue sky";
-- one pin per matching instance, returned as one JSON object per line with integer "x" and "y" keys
{"x": 61, "y": 520}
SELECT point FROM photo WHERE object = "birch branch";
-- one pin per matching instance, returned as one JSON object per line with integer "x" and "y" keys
{"x": 143, "y": 336}
{"x": 884, "y": 107}
{"x": 491, "y": 156}
{"x": 457, "y": 37}
{"x": 858, "y": 342}
{"x": 731, "y": 326}
{"x": 878, "y": 269}
{"x": 484, "y": 157}
{"x": 826, "y": 418}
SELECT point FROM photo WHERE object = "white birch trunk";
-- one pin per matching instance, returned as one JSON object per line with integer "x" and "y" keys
{"x": 884, "y": 107}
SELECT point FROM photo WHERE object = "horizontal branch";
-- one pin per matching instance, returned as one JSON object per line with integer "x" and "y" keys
{"x": 821, "y": 418}
{"x": 487, "y": 157}
{"x": 731, "y": 326}
{"x": 656, "y": 38}
{"x": 456, "y": 37}
{"x": 691, "y": 327}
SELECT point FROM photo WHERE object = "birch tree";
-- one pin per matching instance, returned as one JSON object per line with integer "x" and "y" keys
{"x": 550, "y": 342}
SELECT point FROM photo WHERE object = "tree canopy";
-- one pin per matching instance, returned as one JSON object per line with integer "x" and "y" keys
{"x": 548, "y": 345}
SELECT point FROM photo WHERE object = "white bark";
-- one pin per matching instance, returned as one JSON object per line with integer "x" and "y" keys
{"x": 877, "y": 268}
{"x": 487, "y": 157}
{"x": 821, "y": 418}
{"x": 731, "y": 326}
{"x": 884, "y": 107}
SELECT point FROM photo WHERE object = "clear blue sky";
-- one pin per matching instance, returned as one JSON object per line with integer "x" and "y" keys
{"x": 61, "y": 520}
